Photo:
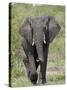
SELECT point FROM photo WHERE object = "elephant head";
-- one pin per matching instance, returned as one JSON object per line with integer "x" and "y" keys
{"x": 39, "y": 30}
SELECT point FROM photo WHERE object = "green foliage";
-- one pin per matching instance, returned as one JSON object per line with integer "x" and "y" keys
{"x": 56, "y": 50}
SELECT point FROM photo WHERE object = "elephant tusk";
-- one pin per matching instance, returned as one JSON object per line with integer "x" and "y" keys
{"x": 44, "y": 42}
{"x": 44, "y": 38}
{"x": 32, "y": 43}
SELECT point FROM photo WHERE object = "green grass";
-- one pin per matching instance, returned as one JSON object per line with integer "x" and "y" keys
{"x": 56, "y": 58}
{"x": 19, "y": 82}
{"x": 55, "y": 78}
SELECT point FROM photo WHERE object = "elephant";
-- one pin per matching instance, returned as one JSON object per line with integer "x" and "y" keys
{"x": 37, "y": 32}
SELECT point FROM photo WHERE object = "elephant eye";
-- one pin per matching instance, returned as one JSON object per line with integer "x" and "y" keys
{"x": 45, "y": 28}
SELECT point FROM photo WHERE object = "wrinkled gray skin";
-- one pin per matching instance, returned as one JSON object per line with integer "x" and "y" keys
{"x": 37, "y": 33}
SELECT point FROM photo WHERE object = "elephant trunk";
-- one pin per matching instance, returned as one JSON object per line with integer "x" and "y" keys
{"x": 38, "y": 40}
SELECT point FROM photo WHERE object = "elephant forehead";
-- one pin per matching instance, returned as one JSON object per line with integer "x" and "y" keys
{"x": 37, "y": 25}
{"x": 37, "y": 21}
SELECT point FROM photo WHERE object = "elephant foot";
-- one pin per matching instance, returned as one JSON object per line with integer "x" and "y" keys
{"x": 43, "y": 81}
{"x": 33, "y": 78}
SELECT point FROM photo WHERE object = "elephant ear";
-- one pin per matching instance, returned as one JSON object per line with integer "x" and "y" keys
{"x": 51, "y": 29}
{"x": 26, "y": 30}
{"x": 54, "y": 29}
{"x": 46, "y": 21}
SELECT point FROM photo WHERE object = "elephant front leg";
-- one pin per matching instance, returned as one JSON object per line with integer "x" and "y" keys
{"x": 31, "y": 70}
{"x": 33, "y": 74}
{"x": 30, "y": 62}
{"x": 43, "y": 65}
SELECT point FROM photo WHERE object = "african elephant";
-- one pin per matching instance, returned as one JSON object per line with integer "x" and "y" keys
{"x": 37, "y": 32}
